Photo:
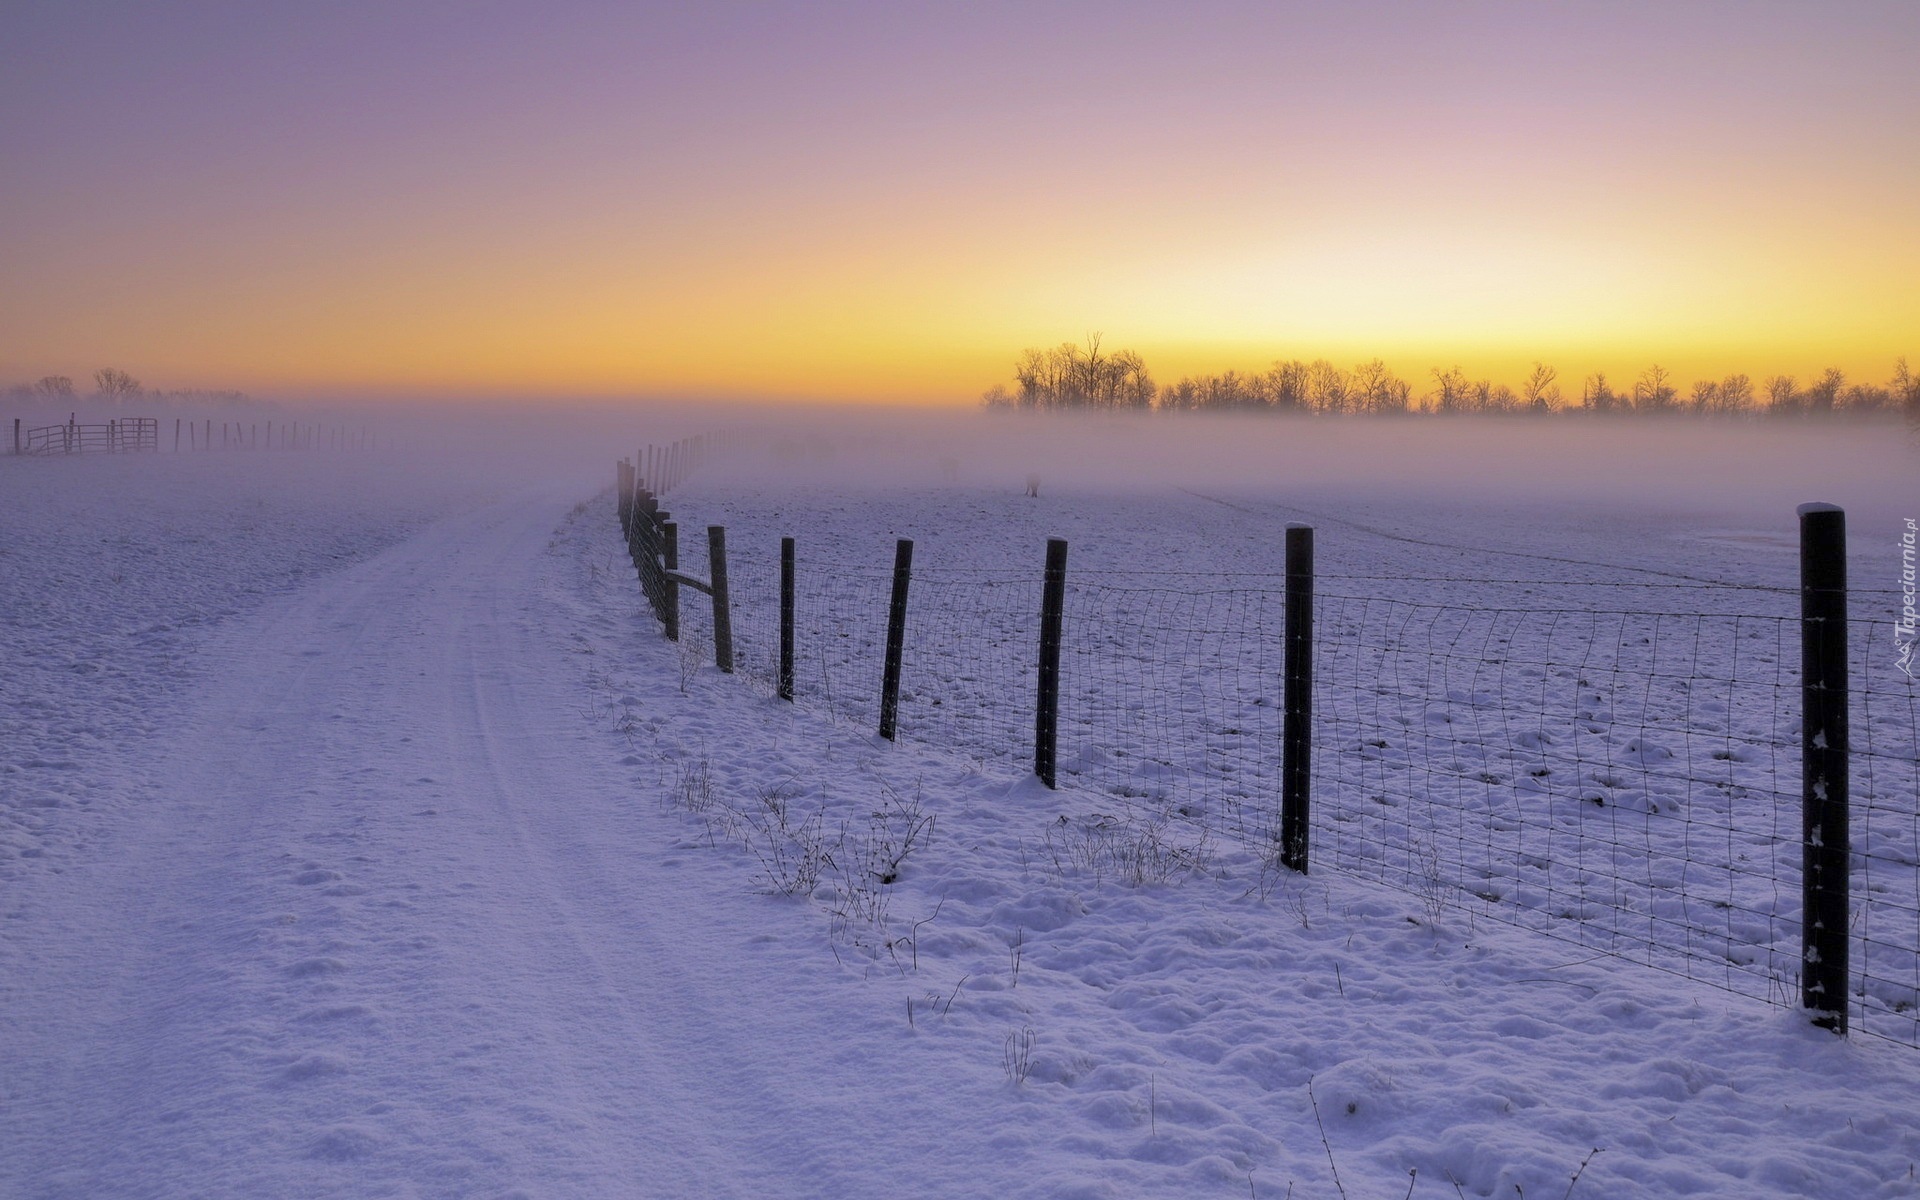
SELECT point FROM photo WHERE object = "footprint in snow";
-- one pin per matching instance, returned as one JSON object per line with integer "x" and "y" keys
{"x": 312, "y": 1066}
{"x": 312, "y": 967}
{"x": 345, "y": 1143}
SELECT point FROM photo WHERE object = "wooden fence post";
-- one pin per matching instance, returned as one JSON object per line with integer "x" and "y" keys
{"x": 1296, "y": 736}
{"x": 644, "y": 548}
{"x": 1046, "y": 714}
{"x": 786, "y": 618}
{"x": 670, "y": 590}
{"x": 1823, "y": 755}
{"x": 722, "y": 611}
{"x": 650, "y": 554}
{"x": 896, "y": 639}
{"x": 623, "y": 504}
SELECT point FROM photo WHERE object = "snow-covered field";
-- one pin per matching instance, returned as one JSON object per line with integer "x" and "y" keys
{"x": 359, "y": 836}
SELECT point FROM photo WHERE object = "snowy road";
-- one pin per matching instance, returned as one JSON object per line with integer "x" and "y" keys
{"x": 378, "y": 930}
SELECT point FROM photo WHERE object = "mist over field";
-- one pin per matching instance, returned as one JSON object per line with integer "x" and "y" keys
{"x": 498, "y": 887}
{"x": 1470, "y": 483}
{"x": 1681, "y": 463}
{"x": 1686, "y": 464}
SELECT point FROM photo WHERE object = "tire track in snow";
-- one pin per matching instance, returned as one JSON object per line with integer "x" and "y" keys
{"x": 371, "y": 935}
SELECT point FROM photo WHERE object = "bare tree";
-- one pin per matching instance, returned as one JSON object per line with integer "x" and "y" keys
{"x": 1597, "y": 395}
{"x": 1736, "y": 395}
{"x": 53, "y": 385}
{"x": 1824, "y": 395}
{"x": 1399, "y": 396}
{"x": 1653, "y": 391}
{"x": 1539, "y": 393}
{"x": 1782, "y": 396}
{"x": 1706, "y": 396}
{"x": 1328, "y": 388}
{"x": 1866, "y": 398}
{"x": 1906, "y": 386}
{"x": 1229, "y": 391}
{"x": 1286, "y": 386}
{"x": 115, "y": 384}
{"x": 1136, "y": 382}
{"x": 1450, "y": 391}
{"x": 1090, "y": 375}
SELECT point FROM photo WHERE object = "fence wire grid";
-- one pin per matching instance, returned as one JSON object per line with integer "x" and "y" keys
{"x": 1624, "y": 777}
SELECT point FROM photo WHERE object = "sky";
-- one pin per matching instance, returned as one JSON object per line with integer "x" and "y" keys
{"x": 887, "y": 202}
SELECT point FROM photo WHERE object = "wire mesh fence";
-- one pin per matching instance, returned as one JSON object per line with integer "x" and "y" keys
{"x": 1622, "y": 770}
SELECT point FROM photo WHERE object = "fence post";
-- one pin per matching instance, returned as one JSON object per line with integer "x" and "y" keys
{"x": 786, "y": 618}
{"x": 896, "y": 639}
{"x": 1296, "y": 729}
{"x": 648, "y": 546}
{"x": 623, "y": 505}
{"x": 1046, "y": 711}
{"x": 722, "y": 611}
{"x": 670, "y": 590}
{"x": 1823, "y": 757}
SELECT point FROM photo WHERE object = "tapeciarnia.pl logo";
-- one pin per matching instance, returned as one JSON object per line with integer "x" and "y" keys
{"x": 1903, "y": 629}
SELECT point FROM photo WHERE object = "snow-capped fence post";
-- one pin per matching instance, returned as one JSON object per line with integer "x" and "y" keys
{"x": 1046, "y": 709}
{"x": 670, "y": 591}
{"x": 722, "y": 611}
{"x": 896, "y": 639}
{"x": 786, "y": 618}
{"x": 1296, "y": 729}
{"x": 1824, "y": 746}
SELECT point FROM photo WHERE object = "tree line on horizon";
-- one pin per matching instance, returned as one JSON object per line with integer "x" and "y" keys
{"x": 115, "y": 386}
{"x": 1070, "y": 377}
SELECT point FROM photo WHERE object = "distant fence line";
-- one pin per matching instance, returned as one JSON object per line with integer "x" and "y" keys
{"x": 125, "y": 436}
{"x": 142, "y": 434}
{"x": 1730, "y": 796}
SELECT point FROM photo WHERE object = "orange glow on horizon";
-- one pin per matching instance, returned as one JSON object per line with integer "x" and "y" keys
{"x": 873, "y": 212}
